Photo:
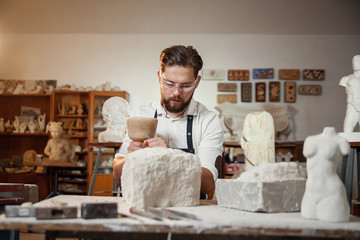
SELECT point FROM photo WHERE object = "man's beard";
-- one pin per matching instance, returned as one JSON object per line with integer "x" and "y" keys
{"x": 175, "y": 109}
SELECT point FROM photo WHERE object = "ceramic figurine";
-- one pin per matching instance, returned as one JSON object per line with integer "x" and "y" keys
{"x": 16, "y": 124}
{"x": 23, "y": 126}
{"x": 60, "y": 147}
{"x": 325, "y": 195}
{"x": 2, "y": 125}
{"x": 41, "y": 121}
{"x": 114, "y": 111}
{"x": 32, "y": 126}
{"x": 352, "y": 88}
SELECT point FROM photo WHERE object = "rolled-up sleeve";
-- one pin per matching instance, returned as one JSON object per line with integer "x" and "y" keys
{"x": 211, "y": 143}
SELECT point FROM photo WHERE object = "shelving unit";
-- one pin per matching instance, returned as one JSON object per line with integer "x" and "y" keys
{"x": 104, "y": 179}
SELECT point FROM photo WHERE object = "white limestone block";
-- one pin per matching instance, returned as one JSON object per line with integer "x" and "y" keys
{"x": 268, "y": 187}
{"x": 161, "y": 177}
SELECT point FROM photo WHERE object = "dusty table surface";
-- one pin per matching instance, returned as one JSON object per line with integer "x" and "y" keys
{"x": 213, "y": 220}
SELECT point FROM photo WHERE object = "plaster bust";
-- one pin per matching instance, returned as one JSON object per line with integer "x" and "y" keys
{"x": 114, "y": 111}
{"x": 59, "y": 147}
{"x": 352, "y": 88}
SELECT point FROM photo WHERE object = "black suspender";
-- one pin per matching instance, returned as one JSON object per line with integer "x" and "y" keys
{"x": 190, "y": 147}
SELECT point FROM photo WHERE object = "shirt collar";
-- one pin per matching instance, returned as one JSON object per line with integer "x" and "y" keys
{"x": 191, "y": 110}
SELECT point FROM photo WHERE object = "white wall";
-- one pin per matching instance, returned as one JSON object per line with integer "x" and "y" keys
{"x": 89, "y": 42}
{"x": 131, "y": 62}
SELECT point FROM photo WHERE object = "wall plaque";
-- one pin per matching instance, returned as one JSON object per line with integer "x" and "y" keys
{"x": 274, "y": 91}
{"x": 260, "y": 92}
{"x": 289, "y": 74}
{"x": 227, "y": 87}
{"x": 221, "y": 98}
{"x": 314, "y": 74}
{"x": 290, "y": 92}
{"x": 234, "y": 75}
{"x": 246, "y": 90}
{"x": 213, "y": 74}
{"x": 263, "y": 73}
{"x": 310, "y": 89}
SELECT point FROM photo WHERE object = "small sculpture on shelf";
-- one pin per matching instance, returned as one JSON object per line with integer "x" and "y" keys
{"x": 2, "y": 125}
{"x": 60, "y": 147}
{"x": 352, "y": 87}
{"x": 41, "y": 122}
{"x": 114, "y": 111}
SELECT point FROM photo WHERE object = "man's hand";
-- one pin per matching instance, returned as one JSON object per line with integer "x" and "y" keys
{"x": 155, "y": 142}
{"x": 207, "y": 183}
{"x": 133, "y": 146}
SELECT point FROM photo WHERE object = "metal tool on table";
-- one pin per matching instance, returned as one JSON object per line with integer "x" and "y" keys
{"x": 162, "y": 213}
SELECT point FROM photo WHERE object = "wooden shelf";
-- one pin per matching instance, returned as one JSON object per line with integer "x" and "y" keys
{"x": 71, "y": 116}
{"x": 25, "y": 134}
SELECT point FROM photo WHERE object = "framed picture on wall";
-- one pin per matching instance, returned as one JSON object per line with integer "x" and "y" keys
{"x": 246, "y": 90}
{"x": 274, "y": 91}
{"x": 290, "y": 92}
{"x": 260, "y": 92}
{"x": 263, "y": 73}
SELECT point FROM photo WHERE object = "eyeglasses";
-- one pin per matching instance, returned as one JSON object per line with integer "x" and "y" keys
{"x": 182, "y": 88}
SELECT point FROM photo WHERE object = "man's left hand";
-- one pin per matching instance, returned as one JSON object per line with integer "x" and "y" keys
{"x": 155, "y": 142}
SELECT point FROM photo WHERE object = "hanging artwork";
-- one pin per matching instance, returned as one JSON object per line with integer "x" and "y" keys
{"x": 242, "y": 75}
{"x": 289, "y": 74}
{"x": 213, "y": 74}
{"x": 263, "y": 73}
{"x": 290, "y": 92}
{"x": 310, "y": 89}
{"x": 246, "y": 91}
{"x": 260, "y": 92}
{"x": 231, "y": 98}
{"x": 227, "y": 87}
{"x": 314, "y": 74}
{"x": 274, "y": 91}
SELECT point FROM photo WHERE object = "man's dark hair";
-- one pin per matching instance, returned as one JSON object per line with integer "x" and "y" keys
{"x": 179, "y": 55}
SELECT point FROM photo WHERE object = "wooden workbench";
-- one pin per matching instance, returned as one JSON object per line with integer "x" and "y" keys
{"x": 216, "y": 223}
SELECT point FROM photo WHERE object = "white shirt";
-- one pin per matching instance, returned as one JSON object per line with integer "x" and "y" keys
{"x": 207, "y": 132}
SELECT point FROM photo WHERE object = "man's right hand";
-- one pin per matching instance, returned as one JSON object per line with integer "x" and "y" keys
{"x": 133, "y": 146}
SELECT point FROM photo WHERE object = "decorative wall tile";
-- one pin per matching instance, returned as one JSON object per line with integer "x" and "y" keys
{"x": 213, "y": 74}
{"x": 274, "y": 91}
{"x": 221, "y": 98}
{"x": 246, "y": 92}
{"x": 227, "y": 87}
{"x": 234, "y": 75}
{"x": 314, "y": 74}
{"x": 260, "y": 92}
{"x": 263, "y": 73}
{"x": 290, "y": 92}
{"x": 289, "y": 74}
{"x": 310, "y": 89}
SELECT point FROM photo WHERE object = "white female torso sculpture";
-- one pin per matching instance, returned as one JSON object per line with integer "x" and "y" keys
{"x": 325, "y": 195}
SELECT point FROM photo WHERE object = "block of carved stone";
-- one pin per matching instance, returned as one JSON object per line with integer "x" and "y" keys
{"x": 258, "y": 139}
{"x": 161, "y": 177}
{"x": 268, "y": 187}
{"x": 325, "y": 195}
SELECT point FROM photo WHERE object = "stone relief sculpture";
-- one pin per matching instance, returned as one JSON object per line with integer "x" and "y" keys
{"x": 60, "y": 147}
{"x": 351, "y": 83}
{"x": 233, "y": 115}
{"x": 325, "y": 195}
{"x": 257, "y": 139}
{"x": 114, "y": 111}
